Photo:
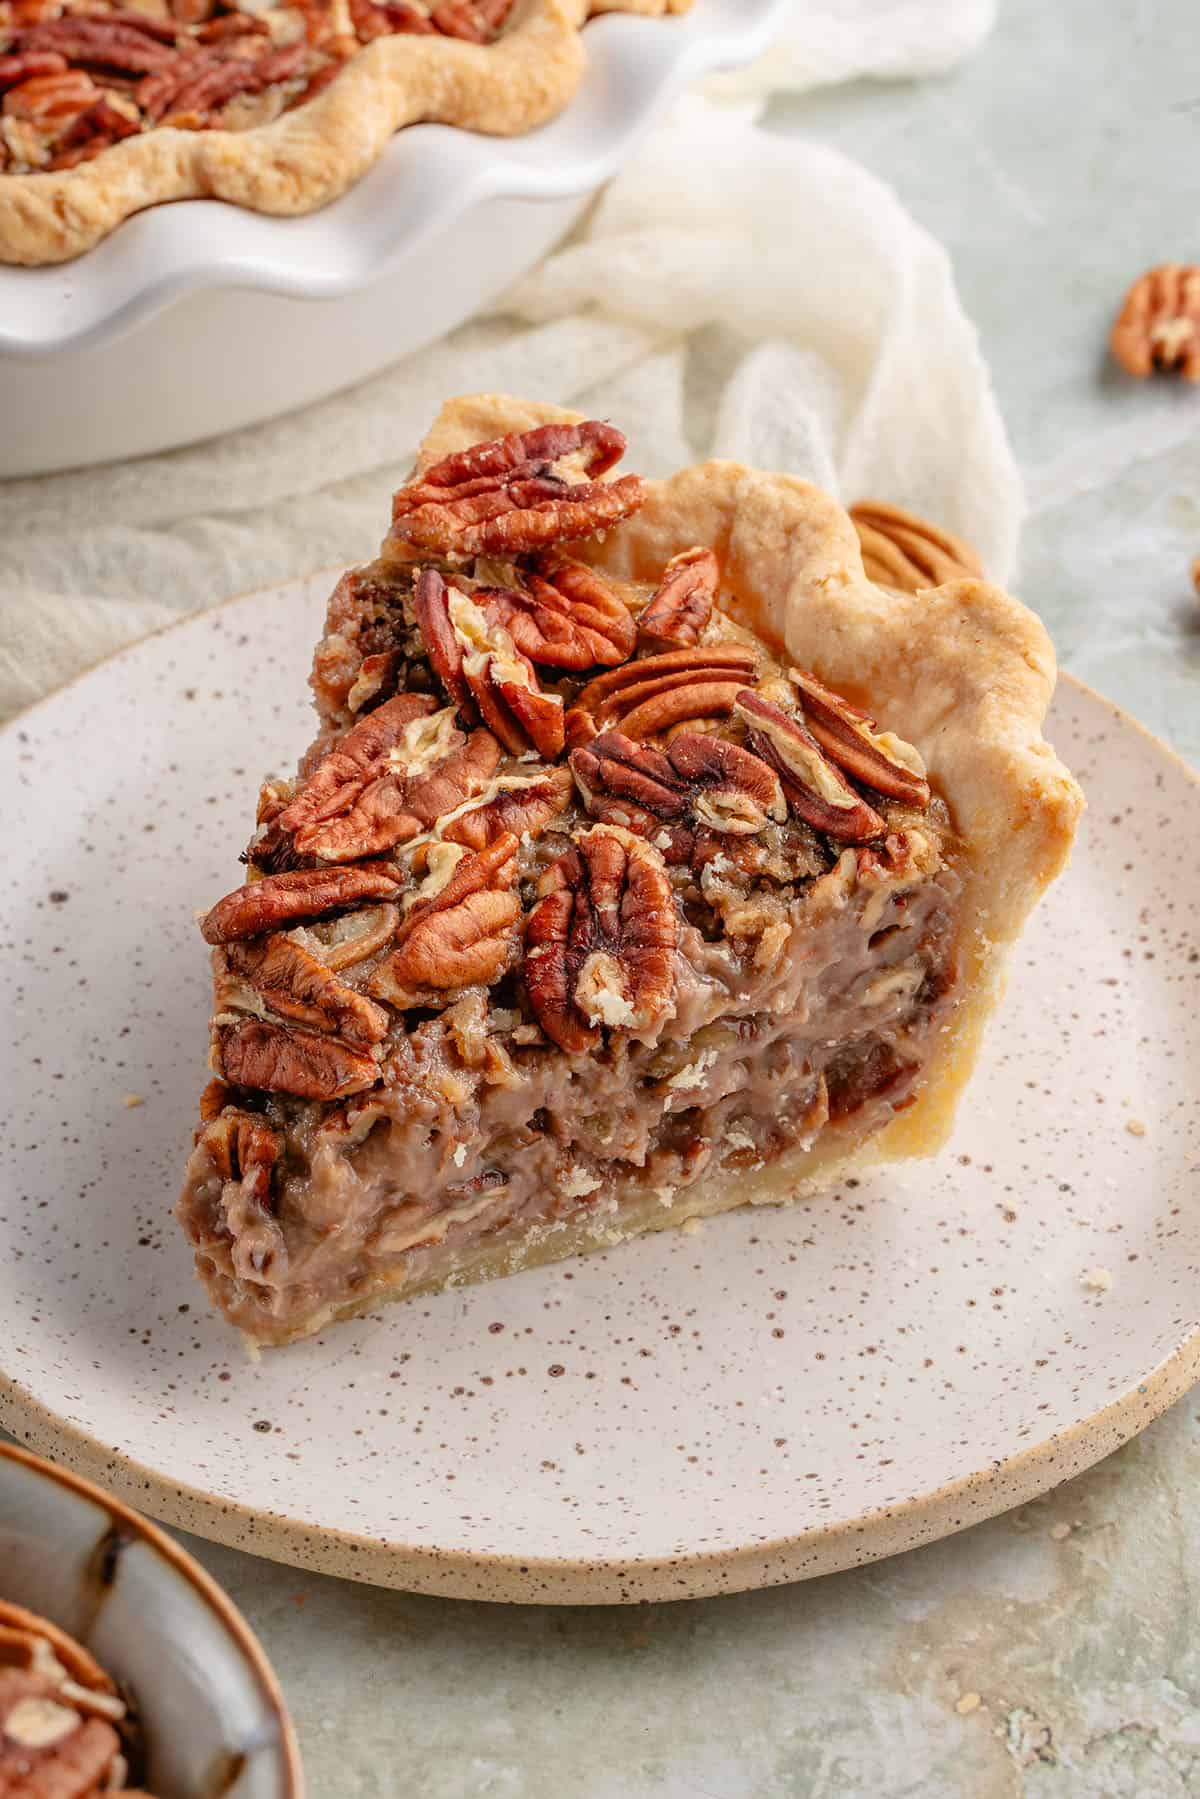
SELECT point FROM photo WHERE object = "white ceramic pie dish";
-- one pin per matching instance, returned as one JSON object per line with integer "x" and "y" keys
{"x": 197, "y": 318}
{"x": 212, "y": 1714}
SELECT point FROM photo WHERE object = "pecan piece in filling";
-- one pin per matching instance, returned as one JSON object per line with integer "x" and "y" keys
{"x": 698, "y": 782}
{"x": 815, "y": 790}
{"x": 465, "y": 934}
{"x": 600, "y": 942}
{"x": 242, "y": 1147}
{"x": 516, "y": 494}
{"x": 681, "y": 608}
{"x": 523, "y": 805}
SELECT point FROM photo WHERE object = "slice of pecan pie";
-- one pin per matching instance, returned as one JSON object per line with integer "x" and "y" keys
{"x": 649, "y": 861}
{"x": 109, "y": 106}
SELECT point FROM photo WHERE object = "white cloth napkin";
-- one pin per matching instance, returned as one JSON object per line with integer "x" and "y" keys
{"x": 734, "y": 293}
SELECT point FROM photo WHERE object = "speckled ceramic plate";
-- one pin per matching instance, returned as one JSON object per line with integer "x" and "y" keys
{"x": 789, "y": 1392}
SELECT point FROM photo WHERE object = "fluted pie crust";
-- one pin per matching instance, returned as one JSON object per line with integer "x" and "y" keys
{"x": 307, "y": 157}
{"x": 962, "y": 673}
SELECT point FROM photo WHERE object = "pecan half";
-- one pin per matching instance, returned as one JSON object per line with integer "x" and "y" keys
{"x": 901, "y": 550}
{"x": 600, "y": 942}
{"x": 295, "y": 985}
{"x": 243, "y": 1147}
{"x": 848, "y": 737}
{"x": 1158, "y": 327}
{"x": 343, "y": 942}
{"x": 277, "y": 1059}
{"x": 598, "y": 447}
{"x": 101, "y": 43}
{"x": 698, "y": 782}
{"x": 815, "y": 790}
{"x": 385, "y": 781}
{"x": 522, "y": 804}
{"x": 294, "y": 897}
{"x": 431, "y": 605}
{"x": 502, "y": 682}
{"x": 683, "y": 605}
{"x": 514, "y": 494}
{"x": 474, "y": 21}
{"x": 569, "y": 617}
{"x": 657, "y": 692}
{"x": 466, "y": 935}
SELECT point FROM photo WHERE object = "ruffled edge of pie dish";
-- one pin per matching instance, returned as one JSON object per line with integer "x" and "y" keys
{"x": 310, "y": 156}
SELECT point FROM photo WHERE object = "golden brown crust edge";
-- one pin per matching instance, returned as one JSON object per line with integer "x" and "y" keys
{"x": 308, "y": 157}
{"x": 964, "y": 672}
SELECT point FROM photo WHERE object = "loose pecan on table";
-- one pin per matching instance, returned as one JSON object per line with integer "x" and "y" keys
{"x": 482, "y": 671}
{"x": 390, "y": 777}
{"x": 658, "y": 692}
{"x": 698, "y": 782}
{"x": 600, "y": 942}
{"x": 901, "y": 550}
{"x": 848, "y": 737}
{"x": 683, "y": 604}
{"x": 1158, "y": 327}
{"x": 296, "y": 897}
{"x": 465, "y": 935}
{"x": 815, "y": 790}
{"x": 509, "y": 496}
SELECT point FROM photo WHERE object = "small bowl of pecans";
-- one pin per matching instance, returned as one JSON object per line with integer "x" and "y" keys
{"x": 123, "y": 1667}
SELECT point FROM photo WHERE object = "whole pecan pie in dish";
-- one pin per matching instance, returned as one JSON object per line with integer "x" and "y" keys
{"x": 109, "y": 106}
{"x": 649, "y": 861}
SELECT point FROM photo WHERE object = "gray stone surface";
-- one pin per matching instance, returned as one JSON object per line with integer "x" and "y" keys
{"x": 1055, "y": 1649}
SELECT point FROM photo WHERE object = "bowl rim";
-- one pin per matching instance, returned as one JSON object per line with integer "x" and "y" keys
{"x": 428, "y": 176}
{"x": 201, "y": 1582}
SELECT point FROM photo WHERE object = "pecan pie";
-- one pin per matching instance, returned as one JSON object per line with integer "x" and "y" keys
{"x": 65, "y": 1730}
{"x": 648, "y": 861}
{"x": 109, "y": 106}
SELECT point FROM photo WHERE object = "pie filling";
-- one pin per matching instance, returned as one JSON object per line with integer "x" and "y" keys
{"x": 584, "y": 913}
{"x": 76, "y": 78}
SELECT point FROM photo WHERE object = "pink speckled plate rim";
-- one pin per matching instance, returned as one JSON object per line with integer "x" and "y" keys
{"x": 219, "y": 1603}
{"x": 876, "y": 1534}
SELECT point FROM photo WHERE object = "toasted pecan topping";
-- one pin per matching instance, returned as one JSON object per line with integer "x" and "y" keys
{"x": 901, "y": 550}
{"x": 683, "y": 604}
{"x": 698, "y": 782}
{"x": 568, "y": 617}
{"x": 503, "y": 682}
{"x": 600, "y": 942}
{"x": 516, "y": 494}
{"x": 815, "y": 790}
{"x": 466, "y": 934}
{"x": 848, "y": 737}
{"x": 655, "y": 693}
{"x": 523, "y": 805}
{"x": 385, "y": 781}
{"x": 278, "y": 1059}
{"x": 295, "y": 897}
{"x": 1158, "y": 327}
{"x": 296, "y": 986}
